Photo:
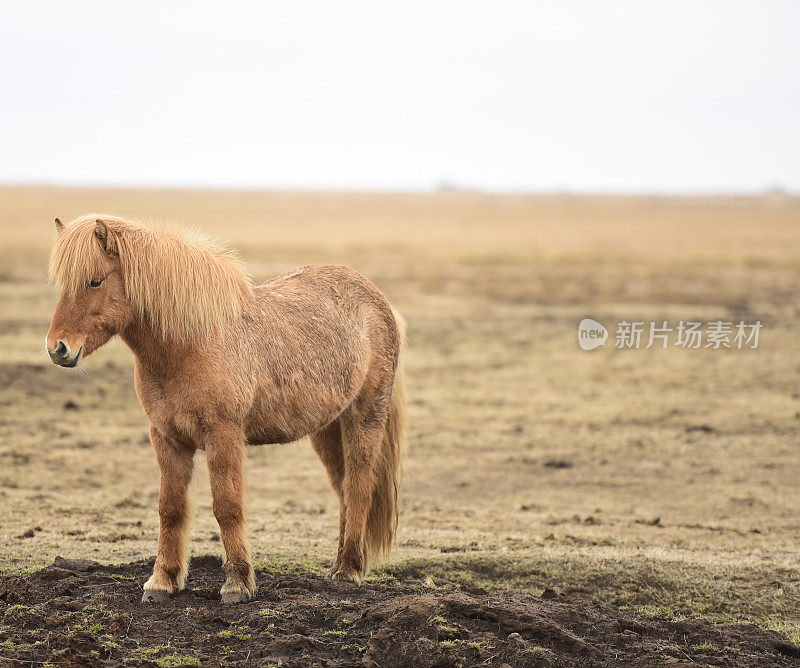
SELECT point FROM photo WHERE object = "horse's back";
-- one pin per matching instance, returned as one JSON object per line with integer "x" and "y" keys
{"x": 336, "y": 290}
{"x": 336, "y": 279}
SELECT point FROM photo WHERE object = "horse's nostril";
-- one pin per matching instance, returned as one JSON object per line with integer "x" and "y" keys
{"x": 61, "y": 350}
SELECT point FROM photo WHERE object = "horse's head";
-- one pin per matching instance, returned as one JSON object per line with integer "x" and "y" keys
{"x": 93, "y": 305}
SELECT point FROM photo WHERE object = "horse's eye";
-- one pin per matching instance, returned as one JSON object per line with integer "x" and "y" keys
{"x": 95, "y": 282}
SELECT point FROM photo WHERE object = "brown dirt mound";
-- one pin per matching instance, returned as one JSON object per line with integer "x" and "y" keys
{"x": 83, "y": 613}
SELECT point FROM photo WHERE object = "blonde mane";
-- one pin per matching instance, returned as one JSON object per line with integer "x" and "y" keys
{"x": 184, "y": 284}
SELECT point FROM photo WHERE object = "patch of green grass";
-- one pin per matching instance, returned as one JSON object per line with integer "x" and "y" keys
{"x": 445, "y": 628}
{"x": 380, "y": 578}
{"x": 447, "y": 644}
{"x": 332, "y": 632}
{"x": 156, "y": 649}
{"x": 448, "y": 631}
{"x": 94, "y": 628}
{"x": 705, "y": 647}
{"x": 538, "y": 652}
{"x": 656, "y": 612}
{"x": 177, "y": 660}
{"x": 233, "y": 635}
{"x": 788, "y": 628}
{"x": 17, "y": 611}
{"x": 126, "y": 578}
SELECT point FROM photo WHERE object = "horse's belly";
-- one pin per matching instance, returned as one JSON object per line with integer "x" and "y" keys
{"x": 287, "y": 419}
{"x": 270, "y": 435}
{"x": 284, "y": 427}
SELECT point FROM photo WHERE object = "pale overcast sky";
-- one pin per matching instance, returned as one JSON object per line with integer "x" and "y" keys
{"x": 583, "y": 96}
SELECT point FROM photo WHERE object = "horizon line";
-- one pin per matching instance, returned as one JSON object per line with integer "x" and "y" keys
{"x": 445, "y": 187}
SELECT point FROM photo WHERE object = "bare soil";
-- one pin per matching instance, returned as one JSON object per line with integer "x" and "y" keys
{"x": 82, "y": 613}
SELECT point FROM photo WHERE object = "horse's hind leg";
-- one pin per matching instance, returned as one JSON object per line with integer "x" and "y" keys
{"x": 363, "y": 428}
{"x": 327, "y": 443}
{"x": 174, "y": 512}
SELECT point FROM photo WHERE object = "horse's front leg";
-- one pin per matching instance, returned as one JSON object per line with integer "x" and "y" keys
{"x": 225, "y": 452}
{"x": 174, "y": 513}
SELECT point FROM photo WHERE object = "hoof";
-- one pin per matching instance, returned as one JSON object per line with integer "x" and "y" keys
{"x": 235, "y": 597}
{"x": 155, "y": 596}
{"x": 344, "y": 575}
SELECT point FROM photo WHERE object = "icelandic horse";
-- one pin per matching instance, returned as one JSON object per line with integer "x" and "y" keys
{"x": 221, "y": 364}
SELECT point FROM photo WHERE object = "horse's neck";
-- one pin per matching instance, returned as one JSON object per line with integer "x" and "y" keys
{"x": 151, "y": 350}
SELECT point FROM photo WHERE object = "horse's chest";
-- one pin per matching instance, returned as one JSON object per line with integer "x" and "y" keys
{"x": 181, "y": 412}
{"x": 173, "y": 418}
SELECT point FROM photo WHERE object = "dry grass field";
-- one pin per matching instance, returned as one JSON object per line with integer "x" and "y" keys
{"x": 663, "y": 481}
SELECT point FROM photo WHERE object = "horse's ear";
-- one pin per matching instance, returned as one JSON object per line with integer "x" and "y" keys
{"x": 105, "y": 237}
{"x": 59, "y": 226}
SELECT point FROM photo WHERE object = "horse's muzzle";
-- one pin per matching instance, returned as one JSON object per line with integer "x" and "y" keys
{"x": 61, "y": 355}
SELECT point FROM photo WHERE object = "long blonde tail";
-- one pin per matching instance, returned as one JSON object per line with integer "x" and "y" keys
{"x": 383, "y": 514}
